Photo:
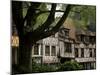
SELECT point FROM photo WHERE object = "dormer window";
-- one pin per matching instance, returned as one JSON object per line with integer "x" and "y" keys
{"x": 67, "y": 33}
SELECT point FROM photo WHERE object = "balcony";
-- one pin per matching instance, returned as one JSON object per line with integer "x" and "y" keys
{"x": 68, "y": 55}
{"x": 85, "y": 59}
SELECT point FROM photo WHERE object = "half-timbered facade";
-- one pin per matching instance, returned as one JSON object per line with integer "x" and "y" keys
{"x": 85, "y": 49}
{"x": 67, "y": 44}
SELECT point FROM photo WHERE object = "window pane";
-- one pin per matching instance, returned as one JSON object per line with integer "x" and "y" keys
{"x": 90, "y": 52}
{"x": 53, "y": 51}
{"x": 76, "y": 52}
{"x": 67, "y": 33}
{"x": 68, "y": 47}
{"x": 82, "y": 52}
{"x": 82, "y": 38}
{"x": 47, "y": 50}
{"x": 94, "y": 52}
{"x": 36, "y": 50}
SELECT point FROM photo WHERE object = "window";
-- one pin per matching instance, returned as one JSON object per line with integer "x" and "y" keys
{"x": 68, "y": 47}
{"x": 86, "y": 39}
{"x": 67, "y": 33}
{"x": 53, "y": 51}
{"x": 47, "y": 50}
{"x": 82, "y": 38}
{"x": 36, "y": 49}
{"x": 53, "y": 35}
{"x": 90, "y": 50}
{"x": 94, "y": 52}
{"x": 78, "y": 38}
{"x": 41, "y": 49}
{"x": 76, "y": 52}
{"x": 61, "y": 32}
{"x": 82, "y": 52}
{"x": 92, "y": 39}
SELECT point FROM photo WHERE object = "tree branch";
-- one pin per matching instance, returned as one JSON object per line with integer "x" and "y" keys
{"x": 48, "y": 11}
{"x": 49, "y": 20}
{"x": 56, "y": 28}
{"x": 31, "y": 14}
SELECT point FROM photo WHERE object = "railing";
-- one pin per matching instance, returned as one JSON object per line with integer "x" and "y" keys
{"x": 85, "y": 59}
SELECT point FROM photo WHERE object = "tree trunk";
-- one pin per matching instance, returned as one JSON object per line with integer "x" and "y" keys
{"x": 25, "y": 55}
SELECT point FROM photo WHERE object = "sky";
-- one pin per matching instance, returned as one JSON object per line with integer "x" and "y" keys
{"x": 57, "y": 14}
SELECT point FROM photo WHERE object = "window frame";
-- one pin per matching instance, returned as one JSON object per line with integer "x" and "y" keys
{"x": 53, "y": 50}
{"x": 82, "y": 52}
{"x": 76, "y": 51}
{"x": 47, "y": 51}
{"x": 36, "y": 45}
{"x": 67, "y": 46}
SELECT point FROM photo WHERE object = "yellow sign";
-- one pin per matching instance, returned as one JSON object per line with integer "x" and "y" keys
{"x": 15, "y": 41}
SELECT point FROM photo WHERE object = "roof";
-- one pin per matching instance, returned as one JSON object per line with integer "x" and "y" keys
{"x": 85, "y": 32}
{"x": 69, "y": 24}
{"x": 73, "y": 31}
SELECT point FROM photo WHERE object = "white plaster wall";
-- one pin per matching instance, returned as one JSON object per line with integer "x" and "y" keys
{"x": 82, "y": 45}
{"x": 50, "y": 59}
{"x": 43, "y": 50}
{"x": 61, "y": 45}
{"x": 85, "y": 59}
{"x": 50, "y": 41}
{"x": 73, "y": 50}
{"x": 92, "y": 45}
{"x": 79, "y": 52}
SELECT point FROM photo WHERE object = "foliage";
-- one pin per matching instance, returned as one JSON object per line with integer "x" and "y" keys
{"x": 40, "y": 20}
{"x": 67, "y": 66}
{"x": 32, "y": 26}
{"x": 36, "y": 68}
{"x": 28, "y": 18}
{"x": 83, "y": 16}
{"x": 70, "y": 66}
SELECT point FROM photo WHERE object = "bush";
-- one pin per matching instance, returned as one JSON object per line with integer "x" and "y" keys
{"x": 70, "y": 66}
{"x": 67, "y": 66}
{"x": 43, "y": 68}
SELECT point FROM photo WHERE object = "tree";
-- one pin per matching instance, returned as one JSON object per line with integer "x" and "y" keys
{"x": 28, "y": 34}
{"x": 84, "y": 17}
